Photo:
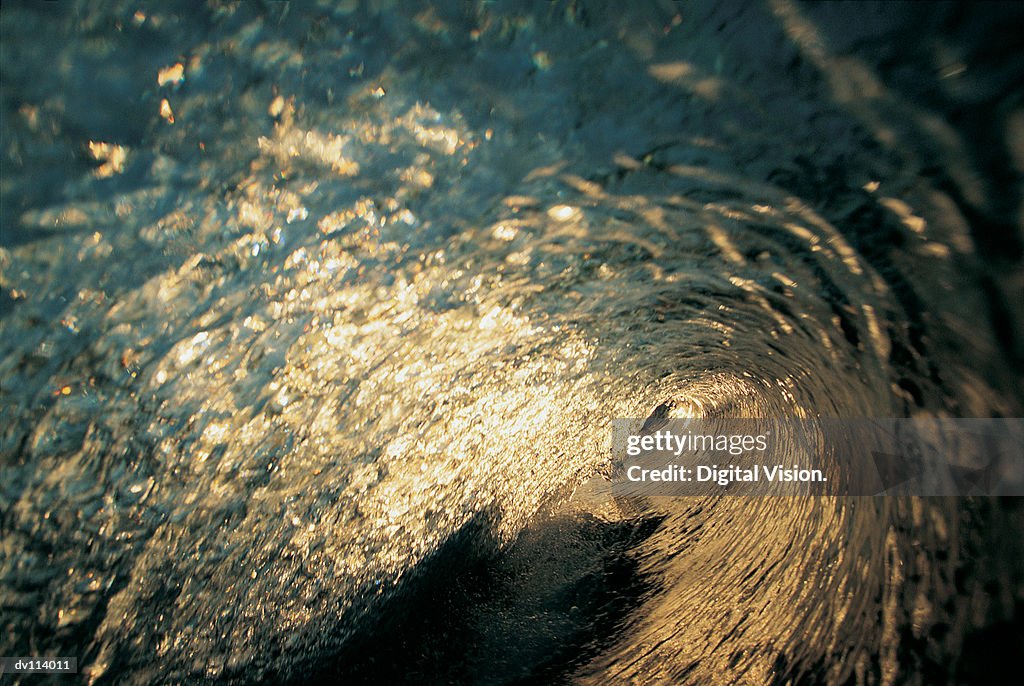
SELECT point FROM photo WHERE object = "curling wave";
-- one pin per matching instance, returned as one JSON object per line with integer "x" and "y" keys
{"x": 320, "y": 354}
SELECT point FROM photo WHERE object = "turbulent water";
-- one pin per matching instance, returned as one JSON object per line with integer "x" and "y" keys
{"x": 316, "y": 317}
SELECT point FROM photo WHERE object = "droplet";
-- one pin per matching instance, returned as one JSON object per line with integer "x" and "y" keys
{"x": 166, "y": 112}
{"x": 173, "y": 74}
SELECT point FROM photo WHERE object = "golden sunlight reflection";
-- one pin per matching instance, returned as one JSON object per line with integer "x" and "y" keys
{"x": 166, "y": 112}
{"x": 113, "y": 158}
{"x": 173, "y": 75}
{"x": 280, "y": 364}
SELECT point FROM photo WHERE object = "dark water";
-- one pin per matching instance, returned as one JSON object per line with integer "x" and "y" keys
{"x": 311, "y": 345}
